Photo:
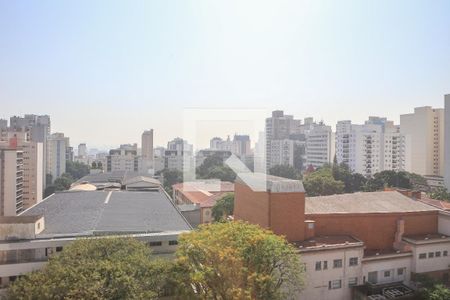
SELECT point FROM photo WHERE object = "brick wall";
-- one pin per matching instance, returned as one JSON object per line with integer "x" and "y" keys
{"x": 377, "y": 231}
{"x": 283, "y": 213}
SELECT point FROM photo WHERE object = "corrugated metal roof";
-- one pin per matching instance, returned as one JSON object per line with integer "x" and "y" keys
{"x": 92, "y": 212}
{"x": 371, "y": 202}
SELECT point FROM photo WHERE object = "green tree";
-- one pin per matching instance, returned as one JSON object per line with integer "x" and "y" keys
{"x": 101, "y": 268}
{"x": 213, "y": 167}
{"x": 440, "y": 193}
{"x": 224, "y": 207}
{"x": 63, "y": 183}
{"x": 76, "y": 169}
{"x": 223, "y": 173}
{"x": 374, "y": 184}
{"x": 322, "y": 183}
{"x": 284, "y": 171}
{"x": 171, "y": 177}
{"x": 436, "y": 292}
{"x": 236, "y": 260}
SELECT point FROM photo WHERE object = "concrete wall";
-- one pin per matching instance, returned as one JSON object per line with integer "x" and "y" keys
{"x": 383, "y": 264}
{"x": 317, "y": 282}
{"x": 431, "y": 264}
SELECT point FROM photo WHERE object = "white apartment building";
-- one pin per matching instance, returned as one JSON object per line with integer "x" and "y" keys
{"x": 11, "y": 181}
{"x": 124, "y": 158}
{"x": 82, "y": 150}
{"x": 370, "y": 148}
{"x": 56, "y": 155}
{"x": 320, "y": 146}
{"x": 179, "y": 155}
{"x": 424, "y": 140}
{"x": 280, "y": 152}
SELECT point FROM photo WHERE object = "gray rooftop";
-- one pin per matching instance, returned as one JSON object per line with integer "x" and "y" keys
{"x": 372, "y": 202}
{"x": 274, "y": 184}
{"x": 75, "y": 213}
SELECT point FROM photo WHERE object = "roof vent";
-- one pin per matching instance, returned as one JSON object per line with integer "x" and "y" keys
{"x": 377, "y": 254}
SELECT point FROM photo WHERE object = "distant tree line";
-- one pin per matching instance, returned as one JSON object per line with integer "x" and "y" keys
{"x": 74, "y": 171}
{"x": 337, "y": 179}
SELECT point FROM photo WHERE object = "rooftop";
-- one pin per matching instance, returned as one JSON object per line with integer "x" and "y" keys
{"x": 444, "y": 205}
{"x": 370, "y": 202}
{"x": 273, "y": 184}
{"x": 84, "y": 213}
{"x": 325, "y": 242}
{"x": 434, "y": 237}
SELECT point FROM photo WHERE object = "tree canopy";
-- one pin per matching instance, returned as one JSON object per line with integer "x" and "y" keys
{"x": 101, "y": 268}
{"x": 213, "y": 167}
{"x": 284, "y": 171}
{"x": 224, "y": 207}
{"x": 440, "y": 193}
{"x": 76, "y": 169}
{"x": 322, "y": 183}
{"x": 236, "y": 260}
{"x": 171, "y": 177}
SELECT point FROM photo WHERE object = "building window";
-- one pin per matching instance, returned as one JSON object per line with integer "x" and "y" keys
{"x": 430, "y": 254}
{"x": 153, "y": 244}
{"x": 318, "y": 265}
{"x": 444, "y": 253}
{"x": 59, "y": 249}
{"x": 387, "y": 273}
{"x": 325, "y": 264}
{"x": 334, "y": 284}
{"x": 48, "y": 251}
{"x": 172, "y": 243}
{"x": 437, "y": 254}
{"x": 422, "y": 255}
{"x": 400, "y": 271}
{"x": 352, "y": 281}
{"x": 353, "y": 261}
{"x": 337, "y": 263}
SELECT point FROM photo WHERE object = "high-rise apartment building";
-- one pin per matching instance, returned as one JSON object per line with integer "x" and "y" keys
{"x": 370, "y": 148}
{"x": 147, "y": 154}
{"x": 32, "y": 165}
{"x": 39, "y": 129}
{"x": 447, "y": 142}
{"x": 124, "y": 158}
{"x": 280, "y": 142}
{"x": 320, "y": 146}
{"x": 241, "y": 145}
{"x": 56, "y": 155}
{"x": 424, "y": 138}
{"x": 179, "y": 155}
{"x": 82, "y": 150}
{"x": 11, "y": 181}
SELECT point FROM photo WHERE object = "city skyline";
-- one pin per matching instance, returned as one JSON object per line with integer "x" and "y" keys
{"x": 141, "y": 63}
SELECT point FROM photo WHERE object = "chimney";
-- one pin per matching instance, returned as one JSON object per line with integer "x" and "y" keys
{"x": 398, "y": 243}
{"x": 310, "y": 229}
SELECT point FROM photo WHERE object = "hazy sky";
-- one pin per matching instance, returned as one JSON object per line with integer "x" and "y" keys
{"x": 105, "y": 71}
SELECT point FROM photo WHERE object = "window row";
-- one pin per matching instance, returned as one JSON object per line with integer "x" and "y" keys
{"x": 337, "y": 284}
{"x": 433, "y": 254}
{"x": 337, "y": 263}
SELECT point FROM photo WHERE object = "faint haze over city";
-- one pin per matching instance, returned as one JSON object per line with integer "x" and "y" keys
{"x": 106, "y": 70}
